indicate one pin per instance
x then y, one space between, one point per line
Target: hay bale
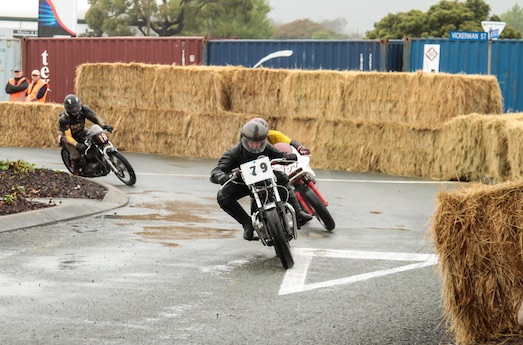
29 124
162 87
420 100
478 234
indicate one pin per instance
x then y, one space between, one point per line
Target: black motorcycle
100 157
273 218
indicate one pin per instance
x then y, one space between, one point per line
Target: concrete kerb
65 209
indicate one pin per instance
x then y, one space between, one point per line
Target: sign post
494 29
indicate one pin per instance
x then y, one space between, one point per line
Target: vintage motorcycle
100 157
273 218
302 178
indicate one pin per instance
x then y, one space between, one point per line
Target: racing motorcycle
273 218
302 178
100 157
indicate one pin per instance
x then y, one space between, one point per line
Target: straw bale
478 234
473 147
257 91
29 124
420 100
163 87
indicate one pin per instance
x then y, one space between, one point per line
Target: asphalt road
172 268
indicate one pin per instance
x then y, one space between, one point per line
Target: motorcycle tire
319 209
281 245
125 171
66 158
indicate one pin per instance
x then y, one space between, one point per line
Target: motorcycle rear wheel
125 171
281 245
319 209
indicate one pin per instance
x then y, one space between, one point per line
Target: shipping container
361 55
472 57
10 58
58 58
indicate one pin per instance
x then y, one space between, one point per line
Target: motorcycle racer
275 137
253 143
72 128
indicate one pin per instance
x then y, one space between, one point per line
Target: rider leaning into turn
253 143
72 127
275 137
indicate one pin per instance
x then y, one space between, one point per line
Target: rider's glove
108 128
223 178
81 147
291 156
303 150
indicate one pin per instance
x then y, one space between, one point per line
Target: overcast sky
360 14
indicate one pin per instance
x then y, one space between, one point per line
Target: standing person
253 143
72 127
37 89
16 86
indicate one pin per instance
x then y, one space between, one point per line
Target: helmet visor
254 146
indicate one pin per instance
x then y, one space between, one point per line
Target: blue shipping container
364 55
471 57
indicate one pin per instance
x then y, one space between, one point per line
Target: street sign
468 36
494 28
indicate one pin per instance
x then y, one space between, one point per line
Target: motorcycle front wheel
124 171
319 209
66 158
281 245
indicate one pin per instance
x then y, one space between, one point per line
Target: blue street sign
469 35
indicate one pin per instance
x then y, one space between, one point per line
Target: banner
57 18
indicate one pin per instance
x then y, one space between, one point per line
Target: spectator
37 90
16 86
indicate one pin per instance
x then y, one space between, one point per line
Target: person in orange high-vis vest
16 86
37 90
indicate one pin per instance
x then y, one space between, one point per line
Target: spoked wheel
319 209
124 171
281 245
66 158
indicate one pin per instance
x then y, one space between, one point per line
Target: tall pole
489 54
148 17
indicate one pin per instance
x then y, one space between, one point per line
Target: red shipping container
58 58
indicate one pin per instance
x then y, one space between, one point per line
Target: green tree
216 18
438 21
514 18
305 29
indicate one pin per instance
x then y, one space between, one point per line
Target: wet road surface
172 268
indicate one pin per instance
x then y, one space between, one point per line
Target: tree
438 21
216 18
514 18
305 29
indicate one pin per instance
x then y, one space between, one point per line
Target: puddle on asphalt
172 211
184 233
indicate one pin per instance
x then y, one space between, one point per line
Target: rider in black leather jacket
72 127
253 143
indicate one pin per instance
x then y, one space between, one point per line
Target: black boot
248 231
75 165
302 217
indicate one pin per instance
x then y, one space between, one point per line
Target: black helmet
72 104
254 137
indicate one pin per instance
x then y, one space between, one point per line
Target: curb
66 209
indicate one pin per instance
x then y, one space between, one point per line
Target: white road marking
294 279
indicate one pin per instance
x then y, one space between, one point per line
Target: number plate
257 170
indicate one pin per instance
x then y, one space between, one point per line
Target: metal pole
149 18
489 60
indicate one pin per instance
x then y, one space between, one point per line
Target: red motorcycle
302 178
